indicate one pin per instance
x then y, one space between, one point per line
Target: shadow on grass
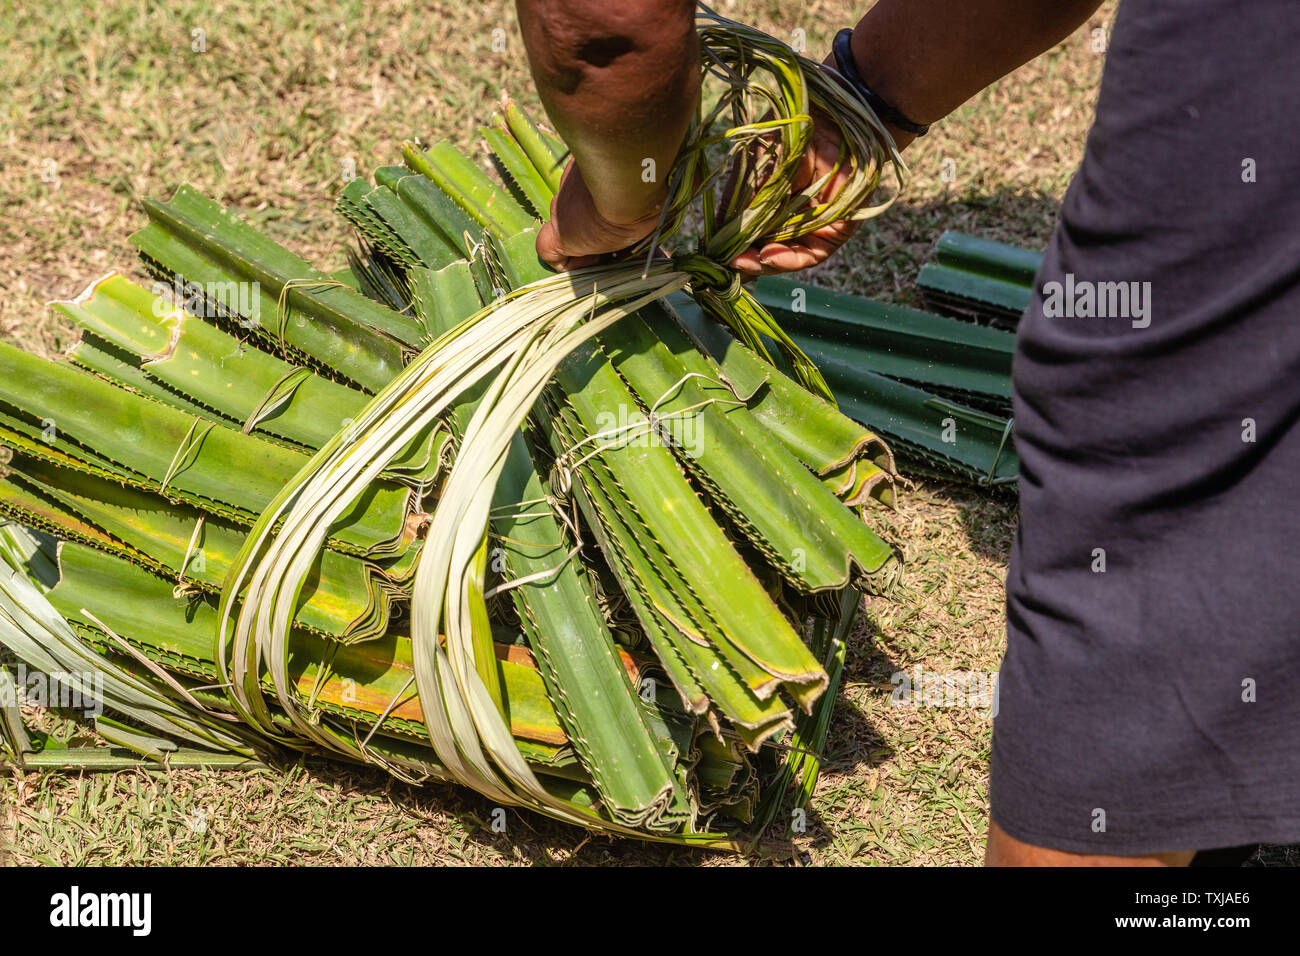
529 838
988 516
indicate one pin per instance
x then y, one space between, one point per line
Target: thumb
550 250
548 244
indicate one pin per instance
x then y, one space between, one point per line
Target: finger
771 249
825 146
808 251
548 244
806 171
836 182
819 247
747 263
792 259
838 232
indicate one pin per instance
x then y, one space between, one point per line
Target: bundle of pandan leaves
452 514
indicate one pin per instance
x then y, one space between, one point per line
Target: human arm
926 58
620 81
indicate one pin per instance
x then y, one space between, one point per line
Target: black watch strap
848 69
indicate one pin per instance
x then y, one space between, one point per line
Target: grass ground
116 102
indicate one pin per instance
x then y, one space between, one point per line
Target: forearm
619 80
927 57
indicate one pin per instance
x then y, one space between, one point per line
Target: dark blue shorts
1150 693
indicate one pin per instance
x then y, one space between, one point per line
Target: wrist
851 60
902 138
618 198
620 213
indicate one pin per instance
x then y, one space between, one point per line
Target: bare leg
1003 849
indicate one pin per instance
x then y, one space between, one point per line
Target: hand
577 234
808 250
